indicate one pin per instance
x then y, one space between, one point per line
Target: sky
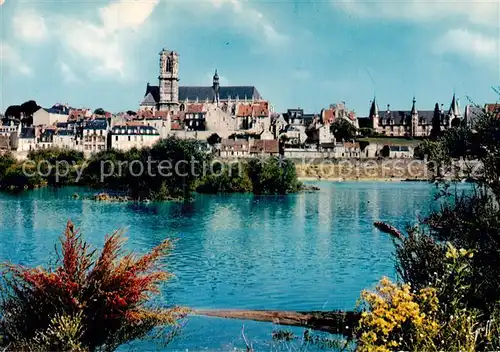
306 53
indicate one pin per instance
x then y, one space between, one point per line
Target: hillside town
232 121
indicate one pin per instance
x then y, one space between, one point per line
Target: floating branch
335 322
391 230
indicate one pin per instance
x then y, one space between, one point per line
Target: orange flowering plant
87 302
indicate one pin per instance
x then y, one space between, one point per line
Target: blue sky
305 54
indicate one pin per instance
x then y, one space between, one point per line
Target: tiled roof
265 146
134 129
176 126
194 108
235 145
149 100
161 114
351 145
261 109
203 93
96 125
401 117
145 114
244 111
328 115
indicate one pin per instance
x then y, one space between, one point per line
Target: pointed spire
454 109
414 107
374 108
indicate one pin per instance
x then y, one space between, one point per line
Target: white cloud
106 46
11 58
67 73
486 13
481 45
30 26
475 45
240 15
127 14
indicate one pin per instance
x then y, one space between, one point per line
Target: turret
374 116
414 118
216 87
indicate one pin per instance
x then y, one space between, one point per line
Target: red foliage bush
109 292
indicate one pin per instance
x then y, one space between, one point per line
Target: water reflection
305 251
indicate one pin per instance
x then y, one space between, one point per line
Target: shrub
273 176
86 301
432 318
228 178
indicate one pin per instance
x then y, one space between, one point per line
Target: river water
310 251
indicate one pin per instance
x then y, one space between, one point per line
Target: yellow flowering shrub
396 316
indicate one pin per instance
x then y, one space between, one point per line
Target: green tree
343 129
436 122
100 111
214 139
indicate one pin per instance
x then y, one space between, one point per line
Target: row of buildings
243 120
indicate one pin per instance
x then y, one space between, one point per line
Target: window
116 138
129 138
169 65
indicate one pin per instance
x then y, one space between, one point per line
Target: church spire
374 108
454 109
216 86
414 107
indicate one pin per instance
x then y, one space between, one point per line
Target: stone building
204 108
95 134
412 123
133 135
45 117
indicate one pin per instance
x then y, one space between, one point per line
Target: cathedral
204 107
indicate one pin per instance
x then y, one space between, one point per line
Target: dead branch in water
389 229
335 322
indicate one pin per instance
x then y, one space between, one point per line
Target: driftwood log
389 229
335 322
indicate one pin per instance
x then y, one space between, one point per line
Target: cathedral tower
169 81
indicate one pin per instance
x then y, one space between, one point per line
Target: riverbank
340 179
370 170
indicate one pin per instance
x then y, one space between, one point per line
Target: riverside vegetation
86 302
121 171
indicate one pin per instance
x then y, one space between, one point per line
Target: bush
433 318
86 302
273 176
227 178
